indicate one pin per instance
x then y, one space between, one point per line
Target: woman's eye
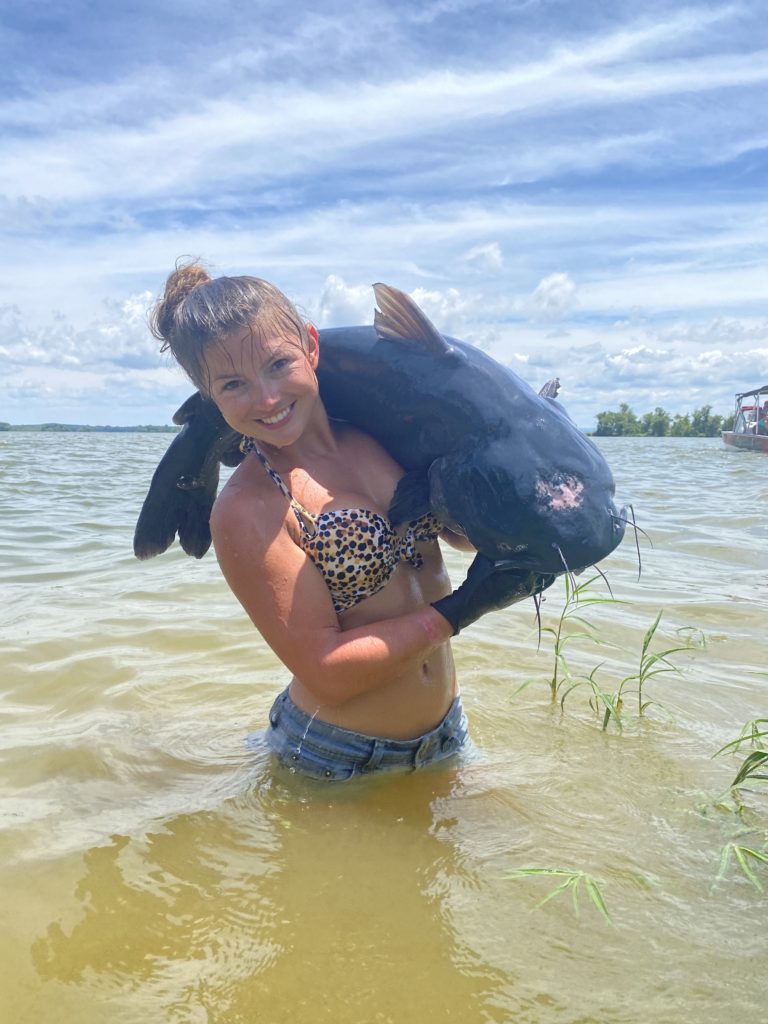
231 385
281 364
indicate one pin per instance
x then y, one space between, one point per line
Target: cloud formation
584 195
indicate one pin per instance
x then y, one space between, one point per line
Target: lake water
153 869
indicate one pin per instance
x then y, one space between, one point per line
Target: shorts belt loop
424 750
373 762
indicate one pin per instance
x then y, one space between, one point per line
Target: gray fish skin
185 483
491 458
487 455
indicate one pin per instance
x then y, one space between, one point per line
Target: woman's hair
196 311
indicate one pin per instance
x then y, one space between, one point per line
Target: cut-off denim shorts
323 751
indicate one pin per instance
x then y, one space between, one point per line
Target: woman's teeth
278 417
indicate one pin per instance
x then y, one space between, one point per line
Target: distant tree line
659 423
69 428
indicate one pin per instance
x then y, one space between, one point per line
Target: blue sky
578 187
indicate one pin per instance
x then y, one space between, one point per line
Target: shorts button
328 773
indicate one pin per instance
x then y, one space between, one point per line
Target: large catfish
482 451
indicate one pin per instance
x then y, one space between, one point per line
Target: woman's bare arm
457 540
289 603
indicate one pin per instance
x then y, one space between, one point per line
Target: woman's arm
457 540
288 602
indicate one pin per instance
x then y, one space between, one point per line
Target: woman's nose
265 394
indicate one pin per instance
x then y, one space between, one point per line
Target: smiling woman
361 613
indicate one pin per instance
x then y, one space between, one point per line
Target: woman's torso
360 475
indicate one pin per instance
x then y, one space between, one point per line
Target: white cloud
554 297
343 304
461 166
486 257
120 337
264 131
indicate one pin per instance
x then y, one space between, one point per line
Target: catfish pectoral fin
411 498
233 455
157 524
188 409
194 527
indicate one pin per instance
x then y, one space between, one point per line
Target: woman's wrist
436 627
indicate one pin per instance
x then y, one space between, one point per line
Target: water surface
155 869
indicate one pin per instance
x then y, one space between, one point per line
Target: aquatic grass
610 703
754 732
577 598
573 880
652 663
747 859
572 625
754 767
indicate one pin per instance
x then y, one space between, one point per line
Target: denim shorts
323 751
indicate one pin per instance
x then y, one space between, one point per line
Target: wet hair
197 310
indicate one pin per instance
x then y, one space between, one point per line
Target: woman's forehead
249 346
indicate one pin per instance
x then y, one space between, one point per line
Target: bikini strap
305 519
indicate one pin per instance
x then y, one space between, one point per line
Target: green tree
704 424
656 423
681 425
617 424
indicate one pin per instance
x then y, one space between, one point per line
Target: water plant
573 880
577 598
572 624
753 770
746 857
651 664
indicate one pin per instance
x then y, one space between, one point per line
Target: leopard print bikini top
355 549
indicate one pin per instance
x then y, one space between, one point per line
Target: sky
579 188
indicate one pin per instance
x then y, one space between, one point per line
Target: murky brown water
155 870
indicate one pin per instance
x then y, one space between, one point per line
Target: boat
750 421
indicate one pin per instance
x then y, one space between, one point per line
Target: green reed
748 849
573 625
573 881
650 664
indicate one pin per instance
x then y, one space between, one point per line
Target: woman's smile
278 418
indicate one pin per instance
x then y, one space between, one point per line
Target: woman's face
264 388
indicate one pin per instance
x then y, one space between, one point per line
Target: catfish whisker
569 574
637 542
537 603
605 579
631 522
637 529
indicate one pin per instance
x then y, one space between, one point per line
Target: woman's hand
489 586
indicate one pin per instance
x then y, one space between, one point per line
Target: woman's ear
313 351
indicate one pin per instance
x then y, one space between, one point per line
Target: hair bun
183 280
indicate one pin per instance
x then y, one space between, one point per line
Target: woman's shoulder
246 506
359 445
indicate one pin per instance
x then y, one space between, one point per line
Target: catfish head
516 505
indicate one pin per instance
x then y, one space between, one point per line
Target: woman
359 613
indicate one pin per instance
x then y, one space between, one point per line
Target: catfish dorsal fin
551 389
400 319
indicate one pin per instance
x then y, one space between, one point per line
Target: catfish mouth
559 545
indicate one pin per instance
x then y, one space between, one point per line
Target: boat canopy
751 394
751 418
